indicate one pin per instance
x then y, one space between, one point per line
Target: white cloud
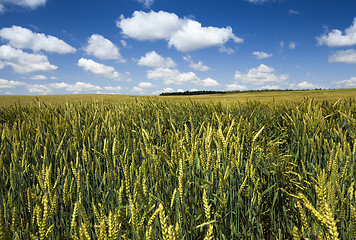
173 76
306 85
145 85
102 48
209 82
153 59
348 56
99 69
168 89
38 77
350 83
192 36
111 88
260 75
4 84
183 34
23 62
226 50
337 38
77 87
39 89
261 55
137 90
199 66
150 26
146 3
292 45
158 92
26 39
232 87
23 3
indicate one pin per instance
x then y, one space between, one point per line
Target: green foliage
156 169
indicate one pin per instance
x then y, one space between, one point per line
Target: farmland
277 96
197 168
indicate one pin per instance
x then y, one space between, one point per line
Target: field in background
278 96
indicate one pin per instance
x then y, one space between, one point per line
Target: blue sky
151 46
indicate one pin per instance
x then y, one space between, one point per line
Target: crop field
267 96
157 168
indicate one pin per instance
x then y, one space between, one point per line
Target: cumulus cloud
102 48
137 90
232 87
261 55
209 82
168 89
183 34
112 88
271 87
153 59
39 89
259 76
348 56
173 76
23 3
306 85
199 66
145 85
23 62
192 36
38 77
99 69
4 84
26 39
349 83
150 26
337 38
77 87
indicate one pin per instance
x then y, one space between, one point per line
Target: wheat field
162 169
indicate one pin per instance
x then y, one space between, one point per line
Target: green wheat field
242 166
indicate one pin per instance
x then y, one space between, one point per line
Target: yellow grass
277 96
